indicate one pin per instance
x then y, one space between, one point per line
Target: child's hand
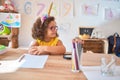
38 50
33 50
41 49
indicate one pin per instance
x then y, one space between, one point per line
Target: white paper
34 61
9 66
93 73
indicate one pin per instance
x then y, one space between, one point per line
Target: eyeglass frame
53 28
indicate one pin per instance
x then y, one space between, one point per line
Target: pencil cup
76 54
75 63
108 69
76 60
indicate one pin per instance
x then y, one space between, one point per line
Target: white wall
68 26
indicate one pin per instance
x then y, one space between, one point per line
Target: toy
4 30
45 16
9 6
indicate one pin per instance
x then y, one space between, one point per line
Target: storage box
94 45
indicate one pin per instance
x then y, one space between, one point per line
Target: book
32 61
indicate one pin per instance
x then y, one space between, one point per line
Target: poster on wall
112 13
10 19
90 9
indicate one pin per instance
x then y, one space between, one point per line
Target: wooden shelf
8 11
13 38
4 36
94 45
4 41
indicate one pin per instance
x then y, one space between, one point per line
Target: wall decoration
49 7
41 8
28 7
55 9
10 19
112 13
89 9
67 8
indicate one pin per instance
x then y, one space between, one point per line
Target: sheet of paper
34 61
9 66
93 73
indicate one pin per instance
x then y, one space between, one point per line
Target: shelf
8 11
4 36
13 37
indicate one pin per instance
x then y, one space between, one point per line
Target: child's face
51 30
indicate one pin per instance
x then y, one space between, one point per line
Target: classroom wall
70 15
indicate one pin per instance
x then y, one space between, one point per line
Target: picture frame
85 32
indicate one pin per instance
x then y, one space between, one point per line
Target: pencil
21 58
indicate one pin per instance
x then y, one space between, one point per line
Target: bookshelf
12 37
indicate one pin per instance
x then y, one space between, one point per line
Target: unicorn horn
50 8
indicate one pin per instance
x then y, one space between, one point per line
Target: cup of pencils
76 54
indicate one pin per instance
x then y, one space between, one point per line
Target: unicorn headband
44 17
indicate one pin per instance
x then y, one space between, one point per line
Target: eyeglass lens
53 28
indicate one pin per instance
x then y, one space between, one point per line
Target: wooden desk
56 68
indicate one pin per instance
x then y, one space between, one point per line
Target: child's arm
37 50
59 49
33 48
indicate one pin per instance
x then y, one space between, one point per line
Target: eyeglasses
53 28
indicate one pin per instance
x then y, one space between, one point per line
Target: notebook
33 61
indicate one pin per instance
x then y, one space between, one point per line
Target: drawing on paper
112 13
90 9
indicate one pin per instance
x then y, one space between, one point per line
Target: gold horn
50 8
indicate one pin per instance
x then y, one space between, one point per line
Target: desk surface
55 68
